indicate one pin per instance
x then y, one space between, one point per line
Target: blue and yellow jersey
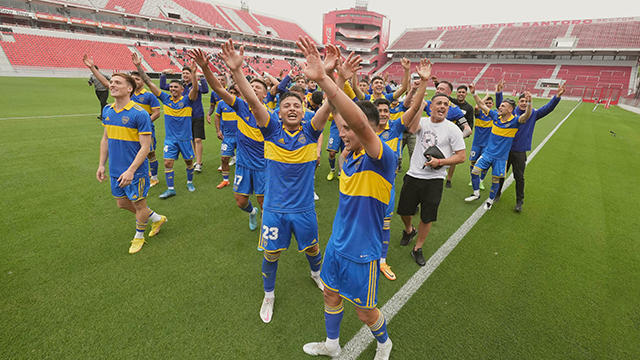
365 193
309 104
148 102
291 163
483 124
214 99
177 117
271 101
396 112
228 119
392 135
124 128
368 97
249 138
501 138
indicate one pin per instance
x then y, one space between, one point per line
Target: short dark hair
510 102
521 96
297 88
290 94
438 95
134 73
490 98
179 82
257 79
298 78
128 79
317 97
370 111
377 78
448 83
463 87
186 68
382 101
364 81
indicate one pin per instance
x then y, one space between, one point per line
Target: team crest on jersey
281 141
385 136
125 120
302 139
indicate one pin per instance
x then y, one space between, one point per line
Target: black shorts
197 127
427 193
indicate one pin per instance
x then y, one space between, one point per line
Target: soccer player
177 123
522 142
423 182
250 175
484 123
125 143
350 266
496 153
378 86
226 121
197 112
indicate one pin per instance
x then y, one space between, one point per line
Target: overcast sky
412 14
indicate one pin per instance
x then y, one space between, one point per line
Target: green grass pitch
558 281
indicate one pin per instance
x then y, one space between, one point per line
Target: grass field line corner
363 338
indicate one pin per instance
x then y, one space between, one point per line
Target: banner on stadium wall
84 22
533 23
384 34
13 12
112 25
52 17
327 35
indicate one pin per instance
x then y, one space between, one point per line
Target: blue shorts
228 146
247 181
173 148
498 167
335 142
278 227
356 282
136 191
476 151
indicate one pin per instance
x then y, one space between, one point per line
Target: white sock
383 260
154 178
384 344
171 188
189 182
490 200
139 235
155 217
269 294
476 192
332 344
315 273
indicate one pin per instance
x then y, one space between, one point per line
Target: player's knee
198 141
225 160
242 201
476 170
152 155
189 163
168 164
271 256
495 179
332 154
368 316
331 297
313 251
124 203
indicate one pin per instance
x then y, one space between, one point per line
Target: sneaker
191 187
448 184
473 197
167 194
253 220
155 227
315 196
232 161
319 348
481 185
383 351
518 207
223 184
136 245
406 238
198 168
488 204
153 183
331 175
318 282
385 269
220 168
266 311
418 257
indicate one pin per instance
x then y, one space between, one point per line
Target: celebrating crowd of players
276 134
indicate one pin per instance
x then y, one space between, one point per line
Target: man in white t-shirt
424 181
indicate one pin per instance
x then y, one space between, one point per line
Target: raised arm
409 117
499 87
91 65
406 64
274 83
195 89
147 80
524 117
203 61
551 105
234 61
351 113
479 103
356 88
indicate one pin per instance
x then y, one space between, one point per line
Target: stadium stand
157 58
467 38
206 12
413 39
529 37
609 35
283 29
125 6
358 34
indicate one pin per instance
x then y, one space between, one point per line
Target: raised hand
232 58
500 86
193 66
406 64
527 95
472 88
424 70
332 59
88 61
350 66
561 90
315 68
136 59
199 57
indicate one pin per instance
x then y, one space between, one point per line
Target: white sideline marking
44 117
363 338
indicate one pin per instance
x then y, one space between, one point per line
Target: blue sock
168 173
332 164
386 237
190 172
483 174
332 319
315 260
494 189
153 165
475 180
249 208
269 269
379 329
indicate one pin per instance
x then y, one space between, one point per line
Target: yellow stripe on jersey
230 116
305 154
393 143
122 133
504 132
146 107
250 132
184 112
483 123
366 183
